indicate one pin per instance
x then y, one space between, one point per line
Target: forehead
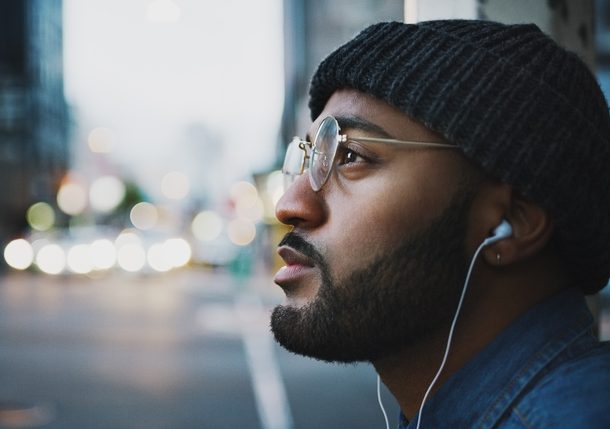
353 103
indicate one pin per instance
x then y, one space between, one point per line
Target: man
443 131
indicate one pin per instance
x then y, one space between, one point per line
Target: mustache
298 243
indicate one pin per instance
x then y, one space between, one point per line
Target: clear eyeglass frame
320 155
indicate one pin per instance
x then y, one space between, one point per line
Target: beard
395 301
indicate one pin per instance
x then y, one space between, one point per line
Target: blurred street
188 349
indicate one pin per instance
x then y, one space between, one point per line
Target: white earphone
500 232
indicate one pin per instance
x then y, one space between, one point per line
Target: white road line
269 391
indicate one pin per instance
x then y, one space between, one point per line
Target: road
187 349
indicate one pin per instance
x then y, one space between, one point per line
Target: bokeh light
51 259
244 193
72 198
106 193
175 185
80 259
41 216
207 226
103 254
248 204
131 257
144 216
127 236
179 251
157 258
19 254
100 140
275 186
250 208
241 231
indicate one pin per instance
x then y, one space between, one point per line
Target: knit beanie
525 110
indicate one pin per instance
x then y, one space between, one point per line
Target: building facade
34 120
312 29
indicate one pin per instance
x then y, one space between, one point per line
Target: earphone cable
385 416
451 330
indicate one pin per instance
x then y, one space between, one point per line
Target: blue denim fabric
546 370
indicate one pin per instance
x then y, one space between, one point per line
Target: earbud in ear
501 231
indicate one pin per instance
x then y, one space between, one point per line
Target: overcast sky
171 92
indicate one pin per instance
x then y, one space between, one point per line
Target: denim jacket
546 370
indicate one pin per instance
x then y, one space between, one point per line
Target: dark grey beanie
527 111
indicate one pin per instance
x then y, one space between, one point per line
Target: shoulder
575 393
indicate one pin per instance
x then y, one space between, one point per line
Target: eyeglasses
322 152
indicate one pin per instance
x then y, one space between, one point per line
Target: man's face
376 258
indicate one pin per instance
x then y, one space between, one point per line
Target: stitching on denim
522 419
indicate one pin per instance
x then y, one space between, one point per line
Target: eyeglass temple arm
399 142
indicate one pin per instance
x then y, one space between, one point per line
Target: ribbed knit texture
527 111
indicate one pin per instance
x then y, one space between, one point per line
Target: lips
292 257
297 266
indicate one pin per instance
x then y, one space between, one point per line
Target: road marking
269 390
248 318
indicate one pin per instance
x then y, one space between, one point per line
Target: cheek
364 229
376 216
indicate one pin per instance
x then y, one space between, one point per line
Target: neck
408 373
407 376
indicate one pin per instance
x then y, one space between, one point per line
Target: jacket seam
522 419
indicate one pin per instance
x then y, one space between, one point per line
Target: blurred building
312 29
33 110
602 33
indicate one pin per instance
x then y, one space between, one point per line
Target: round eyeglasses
322 152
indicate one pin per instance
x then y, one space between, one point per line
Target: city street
189 349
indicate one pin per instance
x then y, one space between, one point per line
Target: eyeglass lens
323 154
293 162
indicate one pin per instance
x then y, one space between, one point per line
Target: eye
345 156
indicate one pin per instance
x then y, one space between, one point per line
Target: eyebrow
358 123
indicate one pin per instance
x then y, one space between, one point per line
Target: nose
300 206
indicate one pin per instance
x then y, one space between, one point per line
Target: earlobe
532 229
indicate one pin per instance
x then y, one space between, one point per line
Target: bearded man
454 213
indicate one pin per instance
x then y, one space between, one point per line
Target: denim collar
480 393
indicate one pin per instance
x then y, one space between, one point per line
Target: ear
532 230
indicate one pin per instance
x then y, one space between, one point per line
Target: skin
356 216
